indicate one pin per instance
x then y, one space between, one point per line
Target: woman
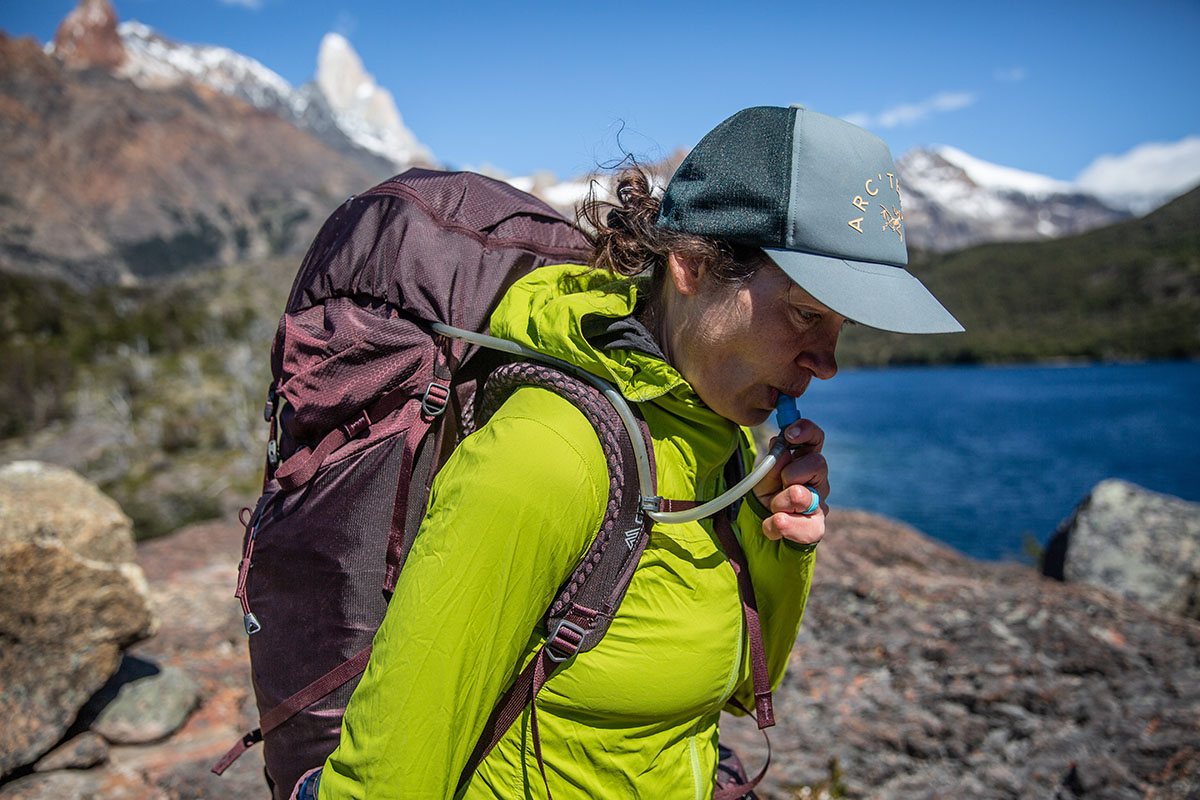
702 309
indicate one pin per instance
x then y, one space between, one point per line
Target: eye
805 317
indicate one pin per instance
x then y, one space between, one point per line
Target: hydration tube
786 413
785 409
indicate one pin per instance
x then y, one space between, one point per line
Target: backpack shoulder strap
581 613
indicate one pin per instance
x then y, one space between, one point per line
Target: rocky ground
920 673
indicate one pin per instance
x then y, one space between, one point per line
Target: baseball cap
821 197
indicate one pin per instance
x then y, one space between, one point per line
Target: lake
983 458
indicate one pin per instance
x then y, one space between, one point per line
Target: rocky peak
365 111
88 37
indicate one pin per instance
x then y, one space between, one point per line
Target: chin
756 416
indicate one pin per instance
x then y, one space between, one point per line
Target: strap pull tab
269 406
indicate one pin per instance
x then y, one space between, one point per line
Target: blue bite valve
785 411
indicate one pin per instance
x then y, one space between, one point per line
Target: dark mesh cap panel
735 182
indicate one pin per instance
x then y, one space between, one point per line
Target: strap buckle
564 641
435 399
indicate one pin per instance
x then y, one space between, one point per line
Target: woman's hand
785 490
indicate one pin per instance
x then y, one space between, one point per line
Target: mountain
952 200
128 154
106 182
362 109
342 105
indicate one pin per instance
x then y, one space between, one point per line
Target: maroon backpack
367 401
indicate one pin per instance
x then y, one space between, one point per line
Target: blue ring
816 503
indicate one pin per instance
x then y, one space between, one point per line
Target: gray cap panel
845 198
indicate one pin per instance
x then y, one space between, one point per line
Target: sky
564 86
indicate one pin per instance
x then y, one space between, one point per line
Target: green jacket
511 513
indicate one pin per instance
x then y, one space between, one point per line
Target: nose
818 354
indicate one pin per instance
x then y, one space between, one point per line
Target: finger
796 528
809 470
772 482
795 499
806 435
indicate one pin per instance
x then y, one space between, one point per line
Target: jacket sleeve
511 513
782 575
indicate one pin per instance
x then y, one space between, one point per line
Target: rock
1141 544
87 37
63 785
143 703
920 673
64 615
41 501
80 752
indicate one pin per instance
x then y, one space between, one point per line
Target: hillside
1127 291
155 392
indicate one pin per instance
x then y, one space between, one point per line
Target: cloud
1011 74
253 5
912 113
1146 176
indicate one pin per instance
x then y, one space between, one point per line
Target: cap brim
877 295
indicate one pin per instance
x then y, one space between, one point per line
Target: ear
686 272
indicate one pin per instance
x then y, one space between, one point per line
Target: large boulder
71 599
1138 543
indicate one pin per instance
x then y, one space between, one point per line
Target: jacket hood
550 310
553 308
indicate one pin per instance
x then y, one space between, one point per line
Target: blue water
984 457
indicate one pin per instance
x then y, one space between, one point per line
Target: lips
790 392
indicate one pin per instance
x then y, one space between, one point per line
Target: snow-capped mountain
155 62
343 105
364 111
953 200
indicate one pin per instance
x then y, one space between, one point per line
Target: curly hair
626 241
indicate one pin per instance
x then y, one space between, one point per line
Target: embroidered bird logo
892 220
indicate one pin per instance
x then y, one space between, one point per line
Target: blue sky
561 86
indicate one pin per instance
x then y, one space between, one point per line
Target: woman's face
740 347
